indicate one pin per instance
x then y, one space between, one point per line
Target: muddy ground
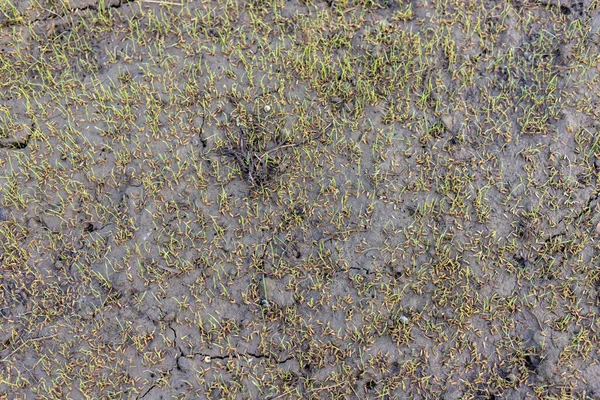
299 199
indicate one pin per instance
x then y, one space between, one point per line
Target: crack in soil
52 15
14 144
238 355
147 391
366 271
215 357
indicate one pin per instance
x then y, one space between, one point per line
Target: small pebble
404 320
264 303
448 121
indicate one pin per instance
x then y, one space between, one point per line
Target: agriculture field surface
360 199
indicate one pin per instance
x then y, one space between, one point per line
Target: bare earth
360 199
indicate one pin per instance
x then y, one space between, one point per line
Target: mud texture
299 199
